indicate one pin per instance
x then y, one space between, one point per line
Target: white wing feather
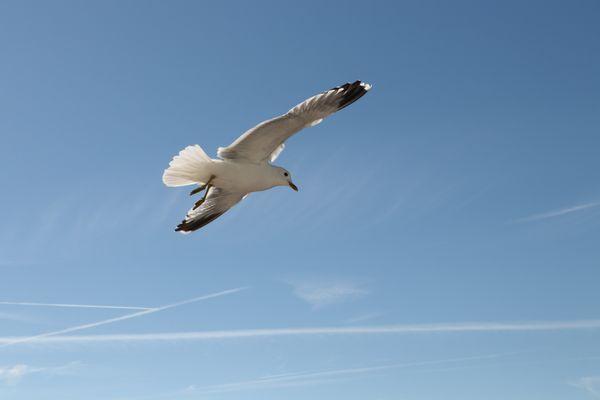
276 152
264 141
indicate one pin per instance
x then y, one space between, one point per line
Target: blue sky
444 242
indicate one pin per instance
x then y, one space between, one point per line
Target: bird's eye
286 174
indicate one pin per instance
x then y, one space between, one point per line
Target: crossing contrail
47 335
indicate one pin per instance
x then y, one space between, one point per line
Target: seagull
245 166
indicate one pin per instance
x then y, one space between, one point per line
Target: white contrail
311 377
48 335
299 377
359 330
14 303
557 213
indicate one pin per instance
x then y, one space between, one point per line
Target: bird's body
245 166
246 177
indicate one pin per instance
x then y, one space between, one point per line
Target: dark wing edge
191 225
217 203
351 92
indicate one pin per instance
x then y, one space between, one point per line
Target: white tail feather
191 166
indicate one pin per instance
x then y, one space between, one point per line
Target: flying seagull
245 166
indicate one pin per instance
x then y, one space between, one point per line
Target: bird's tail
190 166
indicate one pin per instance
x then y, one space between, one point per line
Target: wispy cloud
66 219
363 317
320 295
557 213
591 384
473 327
11 303
316 376
13 374
320 376
14 317
47 335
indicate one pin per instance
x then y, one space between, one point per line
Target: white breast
243 176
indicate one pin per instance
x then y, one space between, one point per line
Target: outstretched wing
265 141
217 202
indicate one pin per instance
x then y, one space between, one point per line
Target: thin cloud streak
15 317
47 335
475 327
12 374
305 378
557 213
13 303
363 317
316 376
321 295
591 384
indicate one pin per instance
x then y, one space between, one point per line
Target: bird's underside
257 147
211 206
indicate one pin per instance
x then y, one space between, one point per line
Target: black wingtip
192 225
352 92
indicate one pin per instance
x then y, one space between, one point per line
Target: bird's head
284 178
